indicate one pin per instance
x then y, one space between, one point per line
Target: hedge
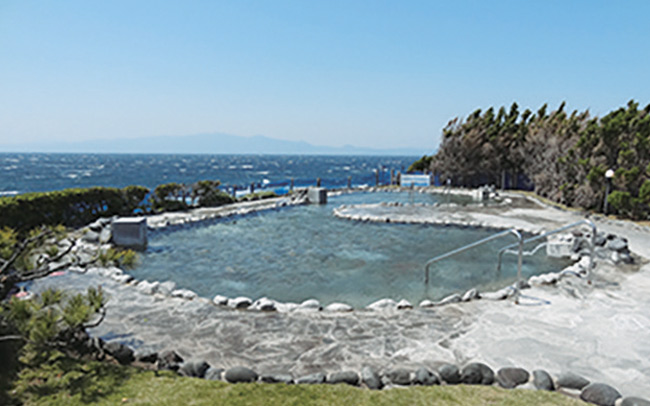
69 207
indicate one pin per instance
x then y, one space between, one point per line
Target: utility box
317 195
560 246
130 232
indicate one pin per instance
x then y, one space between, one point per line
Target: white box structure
414 180
560 246
317 195
130 232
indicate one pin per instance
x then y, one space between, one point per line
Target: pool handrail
475 244
592 243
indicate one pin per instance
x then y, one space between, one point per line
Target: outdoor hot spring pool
298 253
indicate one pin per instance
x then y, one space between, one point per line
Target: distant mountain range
206 144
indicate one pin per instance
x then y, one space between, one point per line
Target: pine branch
12 338
20 248
99 321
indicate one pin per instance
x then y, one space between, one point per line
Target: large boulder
511 377
425 377
477 373
239 302
277 378
318 377
214 374
370 378
399 376
449 373
634 401
571 381
347 377
169 360
194 369
382 304
122 353
240 375
600 394
146 355
542 380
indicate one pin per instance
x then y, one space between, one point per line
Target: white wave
232 167
262 172
9 193
247 166
266 182
72 176
10 167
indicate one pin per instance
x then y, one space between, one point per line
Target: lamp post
608 175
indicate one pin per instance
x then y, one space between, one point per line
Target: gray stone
470 295
617 244
123 278
166 288
347 377
600 239
194 369
169 360
91 237
277 378
122 353
542 380
220 300
146 287
382 304
240 302
264 304
510 377
449 373
371 378
455 298
105 236
404 305
184 294
634 401
571 381
477 373
600 394
310 304
399 376
240 374
338 307
147 356
214 374
318 377
500 294
427 303
425 377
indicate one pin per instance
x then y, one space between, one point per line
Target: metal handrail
592 243
527 253
476 244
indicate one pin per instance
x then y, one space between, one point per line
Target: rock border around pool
608 247
473 373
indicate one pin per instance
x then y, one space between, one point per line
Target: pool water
297 253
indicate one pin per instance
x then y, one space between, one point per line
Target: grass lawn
71 382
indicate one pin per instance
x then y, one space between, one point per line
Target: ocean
38 172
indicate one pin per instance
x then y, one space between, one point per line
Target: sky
381 74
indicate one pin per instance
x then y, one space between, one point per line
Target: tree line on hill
565 156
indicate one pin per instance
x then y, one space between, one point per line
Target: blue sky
368 73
